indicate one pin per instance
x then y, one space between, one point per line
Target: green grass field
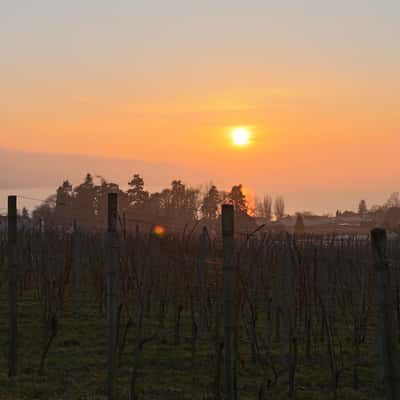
76 369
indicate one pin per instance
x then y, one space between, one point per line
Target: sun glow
240 136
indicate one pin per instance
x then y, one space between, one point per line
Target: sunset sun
240 136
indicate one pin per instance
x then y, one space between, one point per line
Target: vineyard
148 314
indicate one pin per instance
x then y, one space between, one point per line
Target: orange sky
322 101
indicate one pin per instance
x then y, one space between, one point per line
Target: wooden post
274 329
112 270
386 340
76 250
252 266
140 282
288 299
124 224
12 284
229 301
288 338
202 292
253 273
42 265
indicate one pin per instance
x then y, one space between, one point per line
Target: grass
75 367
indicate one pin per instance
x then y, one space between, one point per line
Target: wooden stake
229 301
202 292
112 270
386 340
12 284
76 250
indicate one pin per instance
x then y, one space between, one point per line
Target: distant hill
21 170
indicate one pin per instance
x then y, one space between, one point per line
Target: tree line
178 204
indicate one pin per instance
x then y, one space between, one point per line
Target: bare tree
393 200
264 207
279 207
267 206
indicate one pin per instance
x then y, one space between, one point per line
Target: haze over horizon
316 83
37 175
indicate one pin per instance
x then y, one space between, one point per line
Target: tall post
386 340
12 284
140 282
202 291
112 270
229 301
288 302
124 224
76 250
42 266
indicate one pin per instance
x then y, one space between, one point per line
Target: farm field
199 200
75 368
305 318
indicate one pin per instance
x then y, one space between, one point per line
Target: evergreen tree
84 205
238 199
136 194
362 207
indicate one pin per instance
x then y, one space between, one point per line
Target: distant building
309 220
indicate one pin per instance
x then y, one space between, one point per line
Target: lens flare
159 231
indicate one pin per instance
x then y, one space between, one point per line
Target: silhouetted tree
45 211
180 202
178 190
362 207
393 200
85 202
211 201
165 202
64 199
264 207
279 207
153 208
136 194
192 203
238 199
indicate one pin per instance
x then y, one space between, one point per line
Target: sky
165 82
